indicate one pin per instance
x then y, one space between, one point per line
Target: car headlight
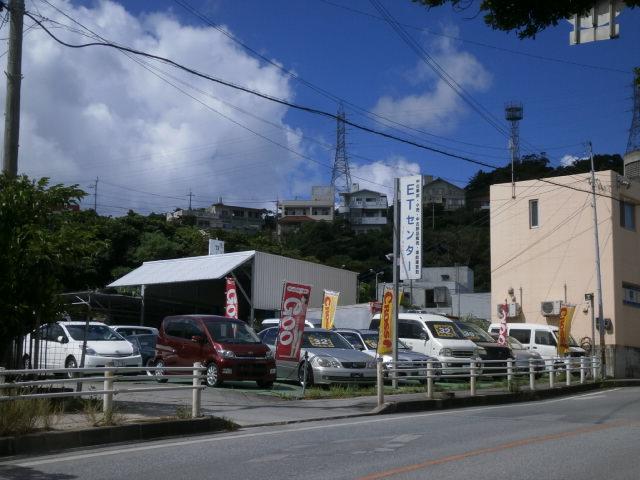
327 362
227 353
480 351
90 351
370 365
136 350
268 355
445 352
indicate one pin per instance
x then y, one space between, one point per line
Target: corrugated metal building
197 284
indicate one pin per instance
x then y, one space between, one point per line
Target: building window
534 220
627 215
631 294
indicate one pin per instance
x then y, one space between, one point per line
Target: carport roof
190 269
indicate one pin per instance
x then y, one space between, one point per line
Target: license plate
119 363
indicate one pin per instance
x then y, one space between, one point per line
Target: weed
183 412
18 417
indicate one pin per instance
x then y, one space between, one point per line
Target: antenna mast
340 174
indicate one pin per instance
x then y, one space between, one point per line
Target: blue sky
354 56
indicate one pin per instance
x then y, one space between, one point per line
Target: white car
539 338
60 346
127 330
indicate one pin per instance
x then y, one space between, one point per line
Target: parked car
60 346
489 349
229 349
367 341
274 322
522 357
127 330
540 338
436 336
146 344
332 359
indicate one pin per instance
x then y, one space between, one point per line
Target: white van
274 322
433 335
540 338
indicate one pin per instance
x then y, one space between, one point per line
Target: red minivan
229 349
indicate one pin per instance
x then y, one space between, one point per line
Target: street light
376 274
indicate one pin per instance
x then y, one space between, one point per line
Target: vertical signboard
231 307
564 328
502 337
216 247
329 305
295 298
411 227
385 334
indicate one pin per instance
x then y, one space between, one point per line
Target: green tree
526 17
41 243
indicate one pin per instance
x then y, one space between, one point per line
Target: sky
151 134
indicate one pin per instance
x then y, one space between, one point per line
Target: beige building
293 213
542 250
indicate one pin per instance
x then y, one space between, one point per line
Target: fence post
380 376
568 369
532 375
107 398
1 376
594 368
552 374
472 378
509 373
583 367
196 393
430 379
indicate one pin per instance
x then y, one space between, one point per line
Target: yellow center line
497 448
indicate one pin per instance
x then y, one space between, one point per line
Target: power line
258 94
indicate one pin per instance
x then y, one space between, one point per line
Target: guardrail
108 378
588 368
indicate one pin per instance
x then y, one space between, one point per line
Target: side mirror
62 339
197 339
423 336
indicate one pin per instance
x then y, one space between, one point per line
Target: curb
47 442
481 400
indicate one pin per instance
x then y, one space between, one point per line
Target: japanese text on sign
411 227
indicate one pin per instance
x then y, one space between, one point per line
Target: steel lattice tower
632 155
513 114
340 174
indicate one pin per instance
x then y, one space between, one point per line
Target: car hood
457 344
115 347
409 356
341 354
525 354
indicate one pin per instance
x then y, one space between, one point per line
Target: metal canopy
208 267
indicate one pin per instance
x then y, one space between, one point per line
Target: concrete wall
555 261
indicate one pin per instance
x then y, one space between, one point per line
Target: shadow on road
23 473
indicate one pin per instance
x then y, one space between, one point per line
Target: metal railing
22 386
586 368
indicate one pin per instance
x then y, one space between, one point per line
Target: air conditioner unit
513 309
550 309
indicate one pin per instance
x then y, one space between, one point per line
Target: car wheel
212 376
309 375
71 363
160 372
150 373
265 383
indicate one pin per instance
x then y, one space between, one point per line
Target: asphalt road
587 436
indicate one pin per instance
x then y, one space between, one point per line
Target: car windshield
146 341
445 330
231 332
515 344
95 333
572 341
371 340
474 333
322 339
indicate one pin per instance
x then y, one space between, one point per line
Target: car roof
539 326
427 317
81 323
133 326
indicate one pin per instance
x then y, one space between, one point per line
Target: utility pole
396 274
597 251
191 195
95 196
14 77
433 216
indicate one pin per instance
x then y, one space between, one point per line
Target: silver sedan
331 359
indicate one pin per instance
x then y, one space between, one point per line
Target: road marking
496 449
226 438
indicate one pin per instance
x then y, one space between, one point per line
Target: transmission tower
632 155
340 174
513 114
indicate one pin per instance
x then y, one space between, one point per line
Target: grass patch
19 417
183 412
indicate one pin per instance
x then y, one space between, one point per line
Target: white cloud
568 160
94 112
436 106
378 176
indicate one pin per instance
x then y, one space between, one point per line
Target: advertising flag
502 337
411 227
564 330
329 305
231 307
385 335
295 298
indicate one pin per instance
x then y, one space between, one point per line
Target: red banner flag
502 337
231 308
295 298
